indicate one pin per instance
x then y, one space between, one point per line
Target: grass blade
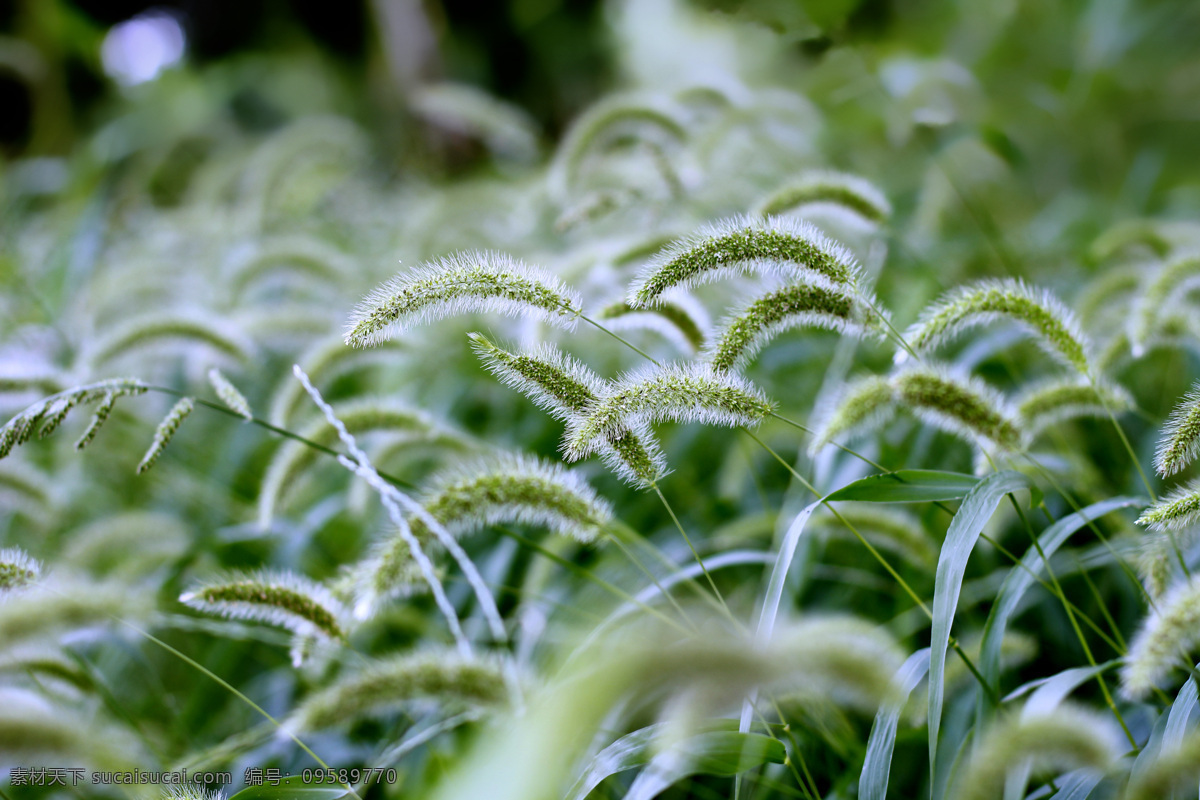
908 486
877 765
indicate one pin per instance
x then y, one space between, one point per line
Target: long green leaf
1024 574
977 508
292 788
877 765
1180 715
723 753
908 486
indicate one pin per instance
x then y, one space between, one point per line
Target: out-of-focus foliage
748 254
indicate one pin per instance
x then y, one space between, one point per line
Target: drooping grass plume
45 611
229 394
1170 283
1179 443
776 245
885 528
851 191
295 252
1063 739
680 320
1055 401
165 430
1178 509
863 405
566 388
46 415
1144 233
1155 562
383 685
153 328
648 117
32 729
1036 310
508 488
1113 287
17 569
458 284
505 129
1167 635
964 406
359 416
324 361
287 600
687 392
814 303
129 543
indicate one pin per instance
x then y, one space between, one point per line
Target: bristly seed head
17 569
1036 310
814 303
1180 441
865 404
1056 401
166 429
963 406
1177 510
566 388
1170 632
45 416
229 394
680 392
851 191
459 284
776 245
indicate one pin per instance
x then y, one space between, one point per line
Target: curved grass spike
1034 309
776 245
566 388
1056 401
45 415
359 416
308 253
1179 509
289 601
1063 739
17 569
851 191
324 361
963 406
886 528
154 328
815 304
683 322
229 394
1114 285
1180 441
590 129
1146 233
165 430
864 404
459 284
1172 281
509 488
504 128
44 613
1169 632
385 684
679 392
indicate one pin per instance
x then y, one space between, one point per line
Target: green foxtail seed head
1180 441
1063 739
1168 634
960 405
154 328
1114 288
192 791
460 284
1178 509
505 129
864 404
814 303
1155 562
566 388
776 245
17 569
43 613
385 684
1034 309
296 253
165 430
290 601
680 320
506 489
1058 400
885 528
650 117
850 191
678 392
1143 233
1166 288
46 415
229 394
